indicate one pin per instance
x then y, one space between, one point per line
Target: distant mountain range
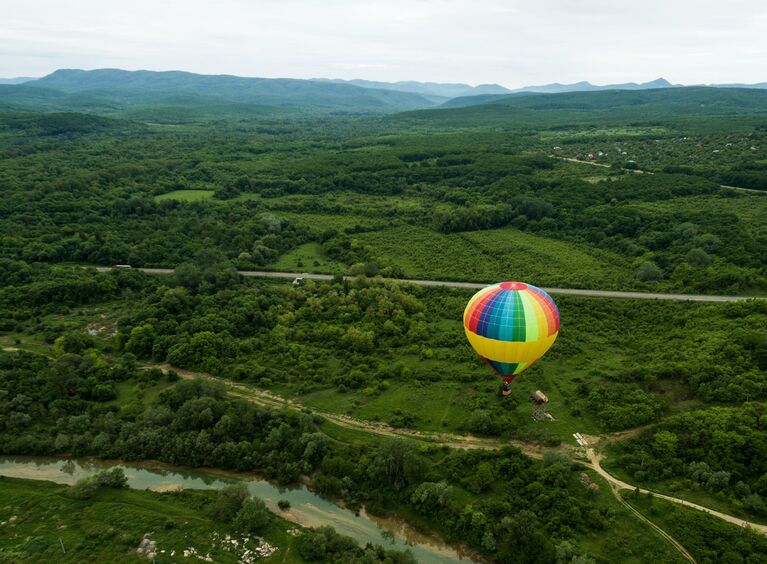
583 86
137 87
566 109
115 91
430 89
435 89
16 80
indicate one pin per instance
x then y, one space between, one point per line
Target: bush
283 504
84 488
649 272
253 516
229 501
113 478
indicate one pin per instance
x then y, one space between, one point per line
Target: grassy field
319 222
486 255
39 522
307 257
450 406
186 195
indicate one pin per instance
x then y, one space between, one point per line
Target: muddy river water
306 508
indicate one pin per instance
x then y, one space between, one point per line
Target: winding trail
617 485
682 550
275 401
478 285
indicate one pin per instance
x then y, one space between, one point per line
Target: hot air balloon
511 325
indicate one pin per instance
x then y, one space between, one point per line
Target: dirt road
275 401
617 484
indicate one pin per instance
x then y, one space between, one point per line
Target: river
306 508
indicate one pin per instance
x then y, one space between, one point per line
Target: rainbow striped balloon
511 325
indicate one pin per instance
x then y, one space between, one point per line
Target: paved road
477 285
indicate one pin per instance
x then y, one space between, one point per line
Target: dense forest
86 189
629 191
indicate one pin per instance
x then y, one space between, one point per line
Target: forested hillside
649 191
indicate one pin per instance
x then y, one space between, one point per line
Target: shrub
84 488
253 516
229 501
113 478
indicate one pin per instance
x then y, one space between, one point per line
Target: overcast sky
511 42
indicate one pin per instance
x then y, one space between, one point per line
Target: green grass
308 257
449 406
38 517
496 254
540 258
186 195
751 209
23 342
130 392
319 222
438 407
626 538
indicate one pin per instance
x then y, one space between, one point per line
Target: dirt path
682 550
617 484
274 401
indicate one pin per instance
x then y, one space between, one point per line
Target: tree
665 443
481 478
74 343
429 496
112 478
229 501
697 257
649 272
141 340
253 516
84 488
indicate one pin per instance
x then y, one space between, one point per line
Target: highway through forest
477 285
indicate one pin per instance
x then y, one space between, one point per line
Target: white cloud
512 42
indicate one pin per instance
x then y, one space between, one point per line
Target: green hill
618 106
182 88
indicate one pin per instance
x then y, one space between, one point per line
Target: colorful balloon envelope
511 325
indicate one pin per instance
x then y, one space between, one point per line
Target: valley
356 381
